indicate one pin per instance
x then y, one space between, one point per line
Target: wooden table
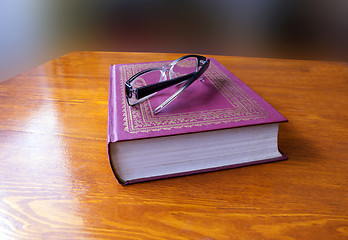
56 181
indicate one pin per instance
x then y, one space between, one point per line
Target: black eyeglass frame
147 90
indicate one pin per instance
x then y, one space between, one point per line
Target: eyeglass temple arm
153 88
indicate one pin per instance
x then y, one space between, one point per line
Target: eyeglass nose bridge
166 68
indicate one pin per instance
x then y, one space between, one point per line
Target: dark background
35 31
262 28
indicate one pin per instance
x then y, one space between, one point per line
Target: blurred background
35 31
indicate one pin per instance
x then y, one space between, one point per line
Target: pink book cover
219 101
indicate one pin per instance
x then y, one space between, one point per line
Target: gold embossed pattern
241 106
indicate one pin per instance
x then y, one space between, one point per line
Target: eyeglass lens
176 69
184 67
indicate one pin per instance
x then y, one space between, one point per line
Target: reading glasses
180 74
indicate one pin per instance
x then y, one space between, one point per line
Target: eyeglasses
181 72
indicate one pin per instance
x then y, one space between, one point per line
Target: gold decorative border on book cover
141 118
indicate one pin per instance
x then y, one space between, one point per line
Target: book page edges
276 157
214 169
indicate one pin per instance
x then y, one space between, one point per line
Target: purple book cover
219 101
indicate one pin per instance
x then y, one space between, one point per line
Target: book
217 123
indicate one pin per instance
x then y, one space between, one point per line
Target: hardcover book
217 123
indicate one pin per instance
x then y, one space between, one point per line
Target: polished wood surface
56 181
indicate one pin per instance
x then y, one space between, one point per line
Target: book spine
112 118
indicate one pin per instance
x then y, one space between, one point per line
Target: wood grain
56 182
